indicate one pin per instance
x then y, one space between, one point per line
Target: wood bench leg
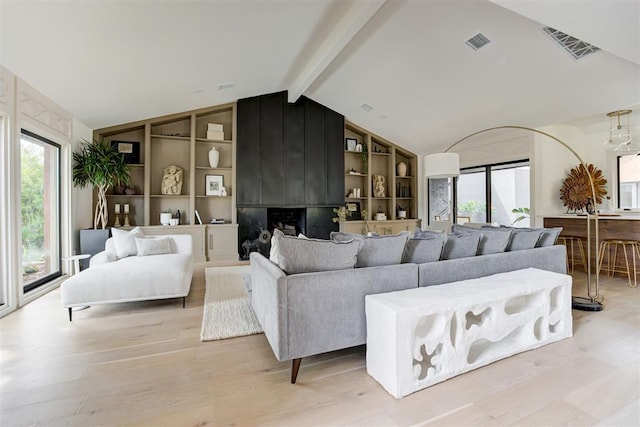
295 366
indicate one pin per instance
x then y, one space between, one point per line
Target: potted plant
99 164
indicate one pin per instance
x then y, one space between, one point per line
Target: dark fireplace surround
290 170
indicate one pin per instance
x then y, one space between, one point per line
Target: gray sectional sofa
304 313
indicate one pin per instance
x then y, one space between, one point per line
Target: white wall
81 198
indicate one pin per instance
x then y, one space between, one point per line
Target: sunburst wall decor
576 188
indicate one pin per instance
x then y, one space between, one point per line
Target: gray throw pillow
494 240
549 237
461 245
310 255
376 250
421 234
424 249
524 238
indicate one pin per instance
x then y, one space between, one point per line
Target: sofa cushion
549 237
420 233
461 245
153 246
524 238
494 240
124 241
376 250
424 249
310 255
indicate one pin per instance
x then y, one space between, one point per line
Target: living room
399 72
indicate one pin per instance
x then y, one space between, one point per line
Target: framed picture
351 144
353 211
213 185
130 150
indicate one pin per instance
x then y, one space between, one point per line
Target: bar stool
569 242
630 249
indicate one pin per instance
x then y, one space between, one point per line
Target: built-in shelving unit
381 158
180 140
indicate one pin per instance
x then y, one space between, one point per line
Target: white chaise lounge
162 269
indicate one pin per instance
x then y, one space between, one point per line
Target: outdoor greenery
471 207
32 202
99 164
523 211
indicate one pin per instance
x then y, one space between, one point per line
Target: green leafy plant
471 207
99 164
523 211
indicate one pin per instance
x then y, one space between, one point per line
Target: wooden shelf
213 141
135 165
381 154
125 195
355 174
214 169
404 177
174 138
170 196
200 196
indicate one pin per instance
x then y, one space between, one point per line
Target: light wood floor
143 364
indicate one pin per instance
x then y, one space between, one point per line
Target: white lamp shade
441 165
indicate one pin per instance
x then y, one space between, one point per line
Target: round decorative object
576 188
265 236
214 157
402 169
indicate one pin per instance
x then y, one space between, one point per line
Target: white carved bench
420 337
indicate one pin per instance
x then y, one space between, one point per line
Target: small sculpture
378 185
172 180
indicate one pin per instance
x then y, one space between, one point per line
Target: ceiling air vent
478 41
575 47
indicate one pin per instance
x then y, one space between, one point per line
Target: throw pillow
273 252
524 238
424 249
422 234
376 250
461 246
309 255
549 237
494 240
153 246
125 241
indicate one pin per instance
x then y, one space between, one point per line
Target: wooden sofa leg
70 314
184 302
295 366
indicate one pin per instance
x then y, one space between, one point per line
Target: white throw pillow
153 246
124 241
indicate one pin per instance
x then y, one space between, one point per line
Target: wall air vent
575 47
366 107
478 41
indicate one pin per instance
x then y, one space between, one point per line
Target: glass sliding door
510 194
472 196
40 209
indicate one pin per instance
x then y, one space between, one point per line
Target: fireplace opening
291 221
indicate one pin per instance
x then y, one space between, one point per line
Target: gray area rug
227 308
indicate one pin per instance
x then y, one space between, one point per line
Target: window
505 185
40 210
471 197
629 182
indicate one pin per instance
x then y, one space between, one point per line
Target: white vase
214 157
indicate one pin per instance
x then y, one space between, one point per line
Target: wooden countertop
600 216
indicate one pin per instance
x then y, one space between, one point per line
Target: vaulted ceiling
111 62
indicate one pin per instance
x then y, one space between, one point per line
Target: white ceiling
111 62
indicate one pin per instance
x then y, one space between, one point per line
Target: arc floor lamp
447 165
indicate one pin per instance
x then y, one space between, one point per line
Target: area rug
227 308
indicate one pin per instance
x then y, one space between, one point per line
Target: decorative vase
214 157
402 169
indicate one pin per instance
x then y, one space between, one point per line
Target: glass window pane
40 205
510 195
440 196
629 182
471 193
